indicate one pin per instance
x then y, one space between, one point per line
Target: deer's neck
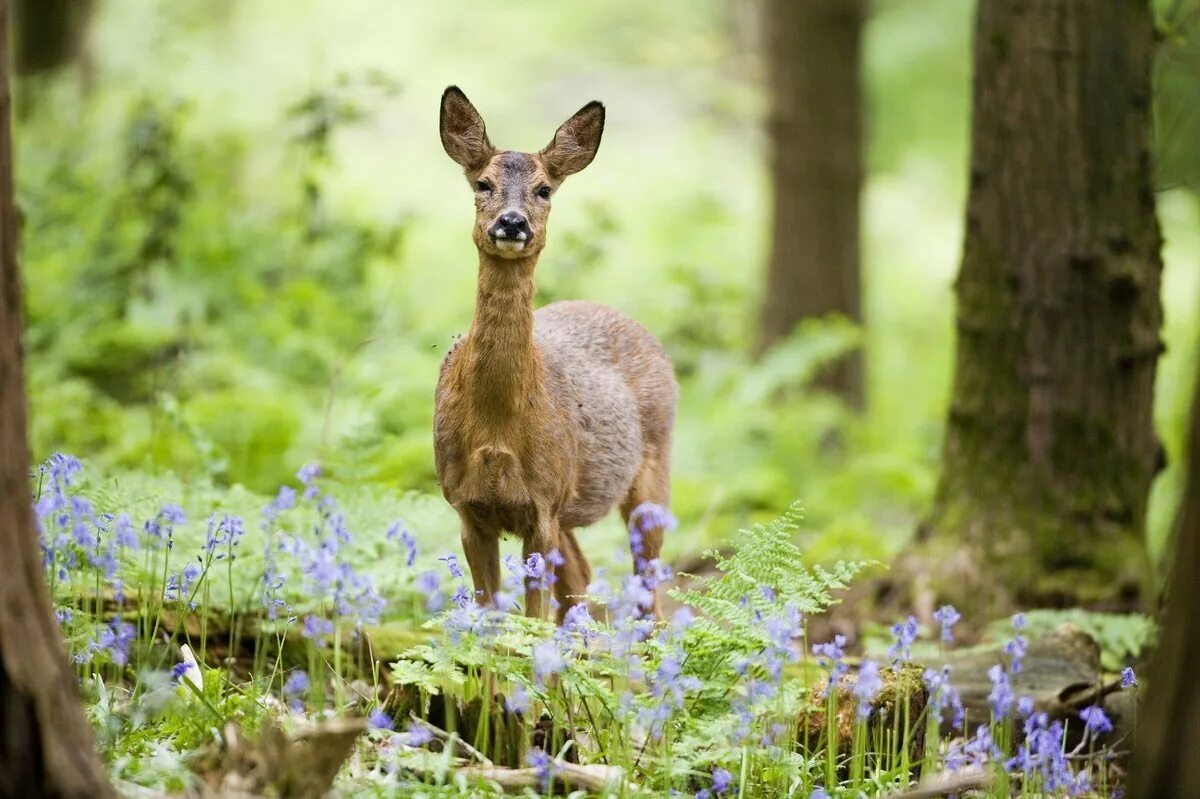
501 361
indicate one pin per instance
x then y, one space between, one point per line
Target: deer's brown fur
544 421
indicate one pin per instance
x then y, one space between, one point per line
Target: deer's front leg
483 558
543 539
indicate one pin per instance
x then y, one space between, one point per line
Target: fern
765 575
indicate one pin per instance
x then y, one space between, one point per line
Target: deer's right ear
463 133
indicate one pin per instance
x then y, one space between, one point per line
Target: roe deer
544 421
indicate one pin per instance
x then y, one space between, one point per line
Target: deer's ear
575 142
463 133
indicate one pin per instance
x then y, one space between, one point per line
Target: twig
594 778
947 784
442 735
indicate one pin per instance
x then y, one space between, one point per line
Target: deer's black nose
510 225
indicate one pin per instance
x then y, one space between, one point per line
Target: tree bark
815 125
46 747
1050 449
1165 765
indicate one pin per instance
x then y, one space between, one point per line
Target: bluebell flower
541 763
819 793
307 476
116 638
462 597
1128 678
722 781
1025 706
430 586
555 558
829 656
947 616
974 752
316 628
547 660
417 735
378 720
398 530
867 687
1001 695
943 694
123 533
296 684
536 575
518 700
683 619
1016 647
904 634
1095 720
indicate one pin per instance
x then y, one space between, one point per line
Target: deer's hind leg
652 483
573 575
482 548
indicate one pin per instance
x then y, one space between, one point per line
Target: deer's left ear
575 142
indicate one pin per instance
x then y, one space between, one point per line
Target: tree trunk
1050 449
46 747
815 125
1165 765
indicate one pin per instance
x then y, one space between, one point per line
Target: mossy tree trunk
1165 765
1050 449
46 747
815 125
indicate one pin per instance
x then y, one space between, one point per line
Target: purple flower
722 780
378 720
518 700
297 683
1016 647
398 530
536 574
429 584
947 616
547 660
1128 678
819 793
417 735
307 475
543 765
829 656
116 638
1025 706
451 561
1001 696
316 628
942 694
123 533
646 518
904 634
867 687
1095 720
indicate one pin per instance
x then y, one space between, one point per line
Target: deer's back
615 381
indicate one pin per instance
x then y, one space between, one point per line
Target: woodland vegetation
928 272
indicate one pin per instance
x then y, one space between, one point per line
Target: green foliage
765 572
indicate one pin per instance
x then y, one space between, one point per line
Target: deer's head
513 189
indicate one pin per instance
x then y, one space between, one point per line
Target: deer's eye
544 192
483 185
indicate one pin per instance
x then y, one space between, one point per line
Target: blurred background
244 248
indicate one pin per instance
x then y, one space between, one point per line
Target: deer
544 420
